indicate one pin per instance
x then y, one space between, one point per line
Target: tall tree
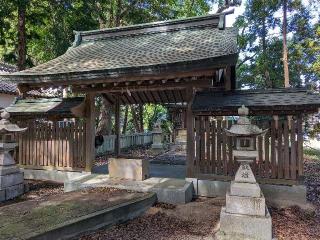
284 41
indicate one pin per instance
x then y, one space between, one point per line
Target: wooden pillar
117 126
90 131
190 135
227 78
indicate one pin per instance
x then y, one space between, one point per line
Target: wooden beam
117 126
190 134
90 131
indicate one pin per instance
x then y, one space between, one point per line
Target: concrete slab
276 195
52 175
168 190
133 169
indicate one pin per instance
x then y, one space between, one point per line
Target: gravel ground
199 220
37 190
312 180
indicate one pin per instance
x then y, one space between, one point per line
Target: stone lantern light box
11 179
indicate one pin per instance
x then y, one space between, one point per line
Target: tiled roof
44 106
138 49
5 86
280 100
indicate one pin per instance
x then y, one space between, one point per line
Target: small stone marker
11 179
245 213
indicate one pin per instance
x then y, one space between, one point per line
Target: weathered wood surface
53 145
280 154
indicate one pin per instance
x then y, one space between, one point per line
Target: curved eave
113 74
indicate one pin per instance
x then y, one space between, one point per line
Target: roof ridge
214 20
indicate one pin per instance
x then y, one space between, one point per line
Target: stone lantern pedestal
11 179
245 215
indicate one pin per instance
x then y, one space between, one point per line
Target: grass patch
312 153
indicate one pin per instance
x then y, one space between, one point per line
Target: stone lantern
245 214
157 145
11 179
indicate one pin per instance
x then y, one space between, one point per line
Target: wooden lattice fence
280 150
58 145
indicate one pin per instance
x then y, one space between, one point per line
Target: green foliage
260 44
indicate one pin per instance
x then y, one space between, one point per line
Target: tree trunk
285 49
125 120
141 117
105 124
135 119
22 5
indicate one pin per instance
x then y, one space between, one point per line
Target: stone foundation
132 169
255 227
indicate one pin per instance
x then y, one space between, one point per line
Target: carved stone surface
244 174
246 205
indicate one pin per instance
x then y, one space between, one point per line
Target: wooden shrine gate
52 145
280 150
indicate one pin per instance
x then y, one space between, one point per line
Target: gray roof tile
140 48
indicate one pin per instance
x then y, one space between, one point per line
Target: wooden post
117 126
90 131
190 135
227 78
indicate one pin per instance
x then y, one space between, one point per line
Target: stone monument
157 144
11 179
245 215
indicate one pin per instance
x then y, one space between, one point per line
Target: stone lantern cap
6 126
243 127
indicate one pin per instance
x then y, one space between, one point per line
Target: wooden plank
190 135
213 147
198 145
273 149
224 148
300 146
293 152
208 140
280 150
72 144
219 139
202 145
260 156
117 128
286 149
90 131
267 167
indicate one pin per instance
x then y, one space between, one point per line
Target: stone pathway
25 219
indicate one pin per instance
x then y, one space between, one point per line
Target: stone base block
245 205
174 191
157 146
6 170
245 189
133 169
2 195
14 191
255 227
11 179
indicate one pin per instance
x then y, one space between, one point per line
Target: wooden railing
280 150
126 141
57 145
